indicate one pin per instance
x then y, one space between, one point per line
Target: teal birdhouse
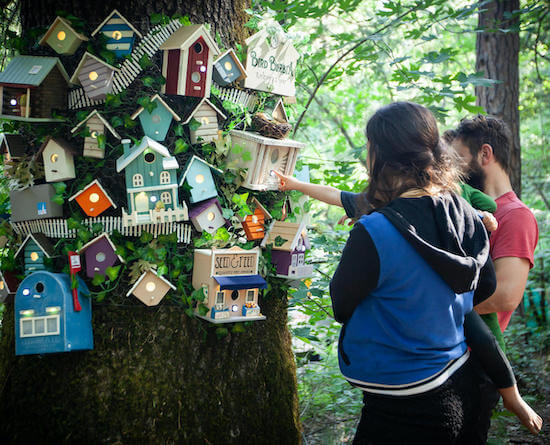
156 120
62 38
120 33
36 248
198 175
151 184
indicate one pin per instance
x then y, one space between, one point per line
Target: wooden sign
271 64
235 263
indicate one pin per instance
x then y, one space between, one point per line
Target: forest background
358 55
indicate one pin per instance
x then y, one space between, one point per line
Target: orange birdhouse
93 199
253 225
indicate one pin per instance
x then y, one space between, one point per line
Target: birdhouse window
301 258
254 219
61 35
220 297
235 295
34 256
155 118
117 35
274 156
165 177
210 216
250 296
137 180
166 198
195 77
35 69
94 197
150 286
227 65
2 285
100 257
37 326
54 158
294 260
93 76
204 120
199 179
94 134
197 47
149 157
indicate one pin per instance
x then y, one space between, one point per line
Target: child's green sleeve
477 199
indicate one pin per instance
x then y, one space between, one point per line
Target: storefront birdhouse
260 155
36 248
151 184
62 37
289 245
99 253
120 34
207 216
94 134
228 69
58 157
8 285
12 146
207 115
93 199
150 288
198 175
253 225
32 88
187 63
45 318
95 76
34 203
155 123
230 282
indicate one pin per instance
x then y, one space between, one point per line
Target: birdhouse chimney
126 144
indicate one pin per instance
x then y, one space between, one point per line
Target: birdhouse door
142 202
277 160
197 69
172 71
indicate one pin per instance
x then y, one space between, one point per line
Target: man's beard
476 175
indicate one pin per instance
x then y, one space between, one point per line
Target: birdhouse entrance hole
235 295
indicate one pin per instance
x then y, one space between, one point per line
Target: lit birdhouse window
2 285
100 257
227 65
149 157
34 256
117 35
204 120
210 216
165 177
94 134
249 296
254 219
150 286
54 158
166 198
137 180
93 76
153 198
199 179
61 35
202 69
94 197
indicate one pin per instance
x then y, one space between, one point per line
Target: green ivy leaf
101 140
145 62
279 241
148 81
59 187
112 272
116 121
98 279
194 124
238 328
247 156
221 333
146 237
162 270
58 199
178 130
72 224
180 146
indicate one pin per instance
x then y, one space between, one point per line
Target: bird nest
270 128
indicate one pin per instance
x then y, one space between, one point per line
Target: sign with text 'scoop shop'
271 64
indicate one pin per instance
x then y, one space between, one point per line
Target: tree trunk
155 375
497 55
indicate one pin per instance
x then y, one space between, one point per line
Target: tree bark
497 56
155 374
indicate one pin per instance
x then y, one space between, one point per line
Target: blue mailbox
45 319
198 175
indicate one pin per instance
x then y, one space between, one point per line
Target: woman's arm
324 193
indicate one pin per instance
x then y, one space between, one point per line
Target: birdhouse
207 216
93 199
120 34
150 288
230 282
34 203
278 112
58 157
13 147
45 318
228 69
156 123
187 62
36 248
32 88
198 175
151 184
95 76
95 125
260 155
289 245
8 285
207 115
62 38
253 225
99 253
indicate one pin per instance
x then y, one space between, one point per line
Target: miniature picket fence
57 228
130 68
236 96
155 216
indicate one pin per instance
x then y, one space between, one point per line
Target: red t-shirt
517 236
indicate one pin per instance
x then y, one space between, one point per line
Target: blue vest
411 326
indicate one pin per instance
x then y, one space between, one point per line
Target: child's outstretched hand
489 221
286 182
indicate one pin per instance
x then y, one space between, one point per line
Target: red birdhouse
93 199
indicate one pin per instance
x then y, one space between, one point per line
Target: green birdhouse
62 38
36 248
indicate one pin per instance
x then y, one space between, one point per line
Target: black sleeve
357 274
487 283
349 202
486 350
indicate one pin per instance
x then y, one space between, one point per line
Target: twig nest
269 127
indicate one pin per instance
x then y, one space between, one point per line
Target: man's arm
511 275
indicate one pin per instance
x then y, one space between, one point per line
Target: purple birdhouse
99 253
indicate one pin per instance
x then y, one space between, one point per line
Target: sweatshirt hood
447 233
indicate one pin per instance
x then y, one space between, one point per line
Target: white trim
189 34
151 188
256 137
95 181
164 104
101 118
216 109
33 319
31 236
146 142
115 11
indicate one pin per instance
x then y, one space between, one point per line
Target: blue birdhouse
156 122
198 174
120 33
36 247
45 319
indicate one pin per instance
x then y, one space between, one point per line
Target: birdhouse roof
96 182
52 27
59 142
140 279
207 102
186 35
41 241
190 162
257 137
101 118
233 55
279 105
14 144
10 282
146 142
259 205
157 98
31 70
203 206
95 240
291 232
120 16
85 57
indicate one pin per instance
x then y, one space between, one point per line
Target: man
485 143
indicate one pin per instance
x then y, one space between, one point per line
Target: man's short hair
479 130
